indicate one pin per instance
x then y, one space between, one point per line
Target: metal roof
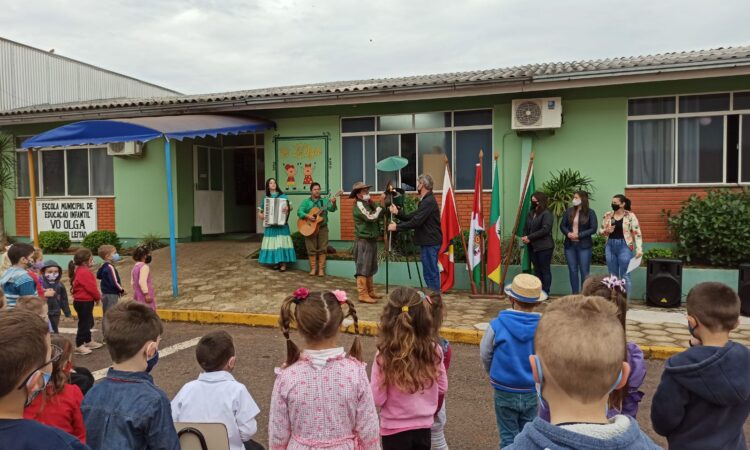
719 58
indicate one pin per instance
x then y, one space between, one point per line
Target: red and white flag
451 229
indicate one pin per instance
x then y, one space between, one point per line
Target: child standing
85 295
321 397
579 361
57 303
408 375
216 397
109 280
140 278
16 281
505 349
703 398
126 410
437 432
60 405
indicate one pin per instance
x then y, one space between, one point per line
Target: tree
7 178
561 188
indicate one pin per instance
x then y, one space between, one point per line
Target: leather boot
364 296
322 266
371 289
313 265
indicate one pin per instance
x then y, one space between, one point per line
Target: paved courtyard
219 276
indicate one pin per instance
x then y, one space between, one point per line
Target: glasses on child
56 353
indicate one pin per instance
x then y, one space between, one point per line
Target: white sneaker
93 345
83 350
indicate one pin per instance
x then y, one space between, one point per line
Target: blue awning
144 129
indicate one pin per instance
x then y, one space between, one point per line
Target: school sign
77 217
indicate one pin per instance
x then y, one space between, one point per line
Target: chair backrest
202 436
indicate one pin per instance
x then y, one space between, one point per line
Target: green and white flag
475 230
525 208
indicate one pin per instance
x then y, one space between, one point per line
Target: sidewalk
218 276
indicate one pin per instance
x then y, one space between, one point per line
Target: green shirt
308 204
366 220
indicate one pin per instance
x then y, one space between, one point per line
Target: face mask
151 363
50 276
116 257
615 207
29 263
691 330
366 197
148 259
45 379
534 205
37 266
576 202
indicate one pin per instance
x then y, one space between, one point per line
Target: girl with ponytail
321 397
408 374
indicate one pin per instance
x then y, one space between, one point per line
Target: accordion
272 211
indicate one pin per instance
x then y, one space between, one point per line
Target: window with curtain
651 151
67 172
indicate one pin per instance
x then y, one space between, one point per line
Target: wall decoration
300 161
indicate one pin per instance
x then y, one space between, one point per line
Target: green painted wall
184 192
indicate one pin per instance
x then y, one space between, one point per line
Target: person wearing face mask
26 359
85 295
366 231
538 237
140 278
624 237
109 279
58 302
126 410
425 221
578 224
16 281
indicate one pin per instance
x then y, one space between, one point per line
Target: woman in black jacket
578 225
538 237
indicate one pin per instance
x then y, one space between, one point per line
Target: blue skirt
277 246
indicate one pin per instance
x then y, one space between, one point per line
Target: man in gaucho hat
366 216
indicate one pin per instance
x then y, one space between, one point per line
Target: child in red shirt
85 295
60 406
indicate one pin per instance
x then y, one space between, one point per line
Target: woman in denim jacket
578 224
623 233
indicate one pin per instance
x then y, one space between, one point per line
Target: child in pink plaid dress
321 398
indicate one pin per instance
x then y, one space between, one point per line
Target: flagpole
482 237
460 232
518 219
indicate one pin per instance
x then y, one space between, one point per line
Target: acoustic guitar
310 227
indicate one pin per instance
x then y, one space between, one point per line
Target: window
71 172
424 139
689 139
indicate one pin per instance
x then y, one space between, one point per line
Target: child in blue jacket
51 274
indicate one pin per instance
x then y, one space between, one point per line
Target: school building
656 128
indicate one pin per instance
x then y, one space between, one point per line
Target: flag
477 226
494 233
530 189
450 228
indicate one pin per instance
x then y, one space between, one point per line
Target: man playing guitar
317 244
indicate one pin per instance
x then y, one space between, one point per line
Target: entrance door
209 188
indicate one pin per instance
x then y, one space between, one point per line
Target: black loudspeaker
664 282
743 289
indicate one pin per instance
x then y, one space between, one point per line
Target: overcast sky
196 46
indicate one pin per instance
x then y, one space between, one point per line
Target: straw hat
358 186
526 288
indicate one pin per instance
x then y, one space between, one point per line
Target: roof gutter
667 68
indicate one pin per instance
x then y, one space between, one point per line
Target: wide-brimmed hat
526 288
358 186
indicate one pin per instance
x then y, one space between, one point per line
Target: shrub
713 230
151 242
95 239
54 241
403 241
658 253
598 255
299 245
560 189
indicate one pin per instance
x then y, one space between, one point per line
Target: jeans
430 267
513 411
108 301
542 261
85 311
579 263
618 256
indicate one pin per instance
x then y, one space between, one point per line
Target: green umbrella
392 164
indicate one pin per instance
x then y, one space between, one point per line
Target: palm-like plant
561 188
7 178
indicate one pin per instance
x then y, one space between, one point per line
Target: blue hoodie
505 350
703 399
541 434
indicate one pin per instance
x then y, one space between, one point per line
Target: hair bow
340 296
424 296
300 294
613 282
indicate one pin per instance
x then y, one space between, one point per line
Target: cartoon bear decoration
308 180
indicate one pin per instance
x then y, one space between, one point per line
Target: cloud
201 46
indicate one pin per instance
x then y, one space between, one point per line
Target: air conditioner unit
537 113
125 149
